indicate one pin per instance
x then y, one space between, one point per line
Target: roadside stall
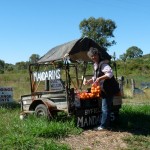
57 85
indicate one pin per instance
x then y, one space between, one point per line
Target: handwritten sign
6 94
50 75
56 85
87 117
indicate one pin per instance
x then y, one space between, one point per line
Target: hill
137 68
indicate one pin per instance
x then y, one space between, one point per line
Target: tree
100 30
9 67
2 65
123 57
34 58
21 65
134 52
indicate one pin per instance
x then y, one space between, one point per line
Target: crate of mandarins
91 98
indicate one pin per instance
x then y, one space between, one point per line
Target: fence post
121 85
132 86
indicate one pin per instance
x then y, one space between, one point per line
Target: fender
48 103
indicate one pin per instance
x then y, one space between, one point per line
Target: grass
138 142
137 98
33 133
39 134
136 120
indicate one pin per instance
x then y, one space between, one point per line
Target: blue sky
34 26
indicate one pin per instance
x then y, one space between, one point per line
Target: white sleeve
107 70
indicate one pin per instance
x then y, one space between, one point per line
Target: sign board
56 85
88 113
87 117
47 75
6 94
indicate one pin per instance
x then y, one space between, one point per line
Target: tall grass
18 81
33 133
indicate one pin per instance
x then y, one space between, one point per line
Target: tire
41 111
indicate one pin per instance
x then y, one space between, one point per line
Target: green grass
39 134
33 133
135 119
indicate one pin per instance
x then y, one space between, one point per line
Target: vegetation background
131 64
136 68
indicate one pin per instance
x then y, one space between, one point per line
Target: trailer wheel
41 111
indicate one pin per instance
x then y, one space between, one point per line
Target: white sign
6 94
49 75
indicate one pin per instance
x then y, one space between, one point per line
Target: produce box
88 107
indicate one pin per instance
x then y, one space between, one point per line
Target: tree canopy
100 30
34 58
134 52
123 57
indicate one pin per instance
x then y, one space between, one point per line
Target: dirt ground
97 140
